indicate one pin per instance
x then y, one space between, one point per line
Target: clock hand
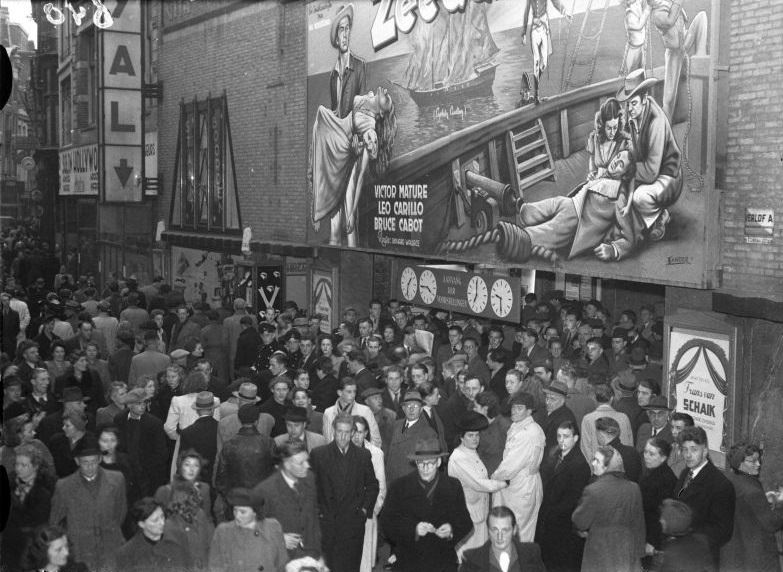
427 287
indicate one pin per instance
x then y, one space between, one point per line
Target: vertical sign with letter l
122 136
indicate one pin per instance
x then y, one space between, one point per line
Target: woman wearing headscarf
611 517
250 542
757 515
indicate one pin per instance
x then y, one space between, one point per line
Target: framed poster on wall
700 358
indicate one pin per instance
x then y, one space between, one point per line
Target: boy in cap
682 549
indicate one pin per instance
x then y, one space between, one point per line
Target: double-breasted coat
610 510
407 504
520 465
564 482
347 490
92 514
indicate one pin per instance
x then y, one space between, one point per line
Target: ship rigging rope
565 47
596 37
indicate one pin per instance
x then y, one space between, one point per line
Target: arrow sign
123 171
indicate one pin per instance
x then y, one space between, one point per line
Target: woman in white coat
361 438
466 466
183 414
525 444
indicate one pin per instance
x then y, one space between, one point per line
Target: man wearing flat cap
425 513
406 434
91 505
348 77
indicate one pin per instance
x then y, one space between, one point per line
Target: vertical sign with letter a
122 136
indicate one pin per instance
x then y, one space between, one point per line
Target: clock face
409 283
477 294
428 286
502 297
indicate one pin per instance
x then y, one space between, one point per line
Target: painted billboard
571 134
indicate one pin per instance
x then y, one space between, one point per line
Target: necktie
396 399
687 482
504 561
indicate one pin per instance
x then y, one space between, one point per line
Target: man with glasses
425 514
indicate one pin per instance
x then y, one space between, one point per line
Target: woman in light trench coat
522 457
466 466
361 438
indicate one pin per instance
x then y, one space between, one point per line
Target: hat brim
197 407
294 419
346 10
554 391
84 399
656 408
420 456
255 399
87 453
623 95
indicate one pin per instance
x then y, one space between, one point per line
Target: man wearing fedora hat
624 385
201 435
296 420
143 438
425 514
659 177
658 413
348 77
385 418
406 434
91 505
557 412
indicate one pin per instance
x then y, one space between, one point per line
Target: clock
409 283
502 297
477 294
428 286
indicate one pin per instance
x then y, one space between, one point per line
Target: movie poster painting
550 134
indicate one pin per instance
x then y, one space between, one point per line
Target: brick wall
754 170
256 53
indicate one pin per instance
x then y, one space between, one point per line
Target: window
65 112
205 196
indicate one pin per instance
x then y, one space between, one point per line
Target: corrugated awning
233 243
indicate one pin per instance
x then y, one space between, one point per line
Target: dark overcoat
23 518
712 500
561 548
141 555
656 485
297 511
151 459
611 512
753 545
407 505
553 421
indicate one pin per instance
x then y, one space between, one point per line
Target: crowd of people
142 432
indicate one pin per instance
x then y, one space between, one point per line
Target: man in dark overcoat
91 505
425 513
290 497
703 487
201 435
347 491
142 437
564 474
556 411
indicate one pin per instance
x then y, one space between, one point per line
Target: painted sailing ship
452 58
